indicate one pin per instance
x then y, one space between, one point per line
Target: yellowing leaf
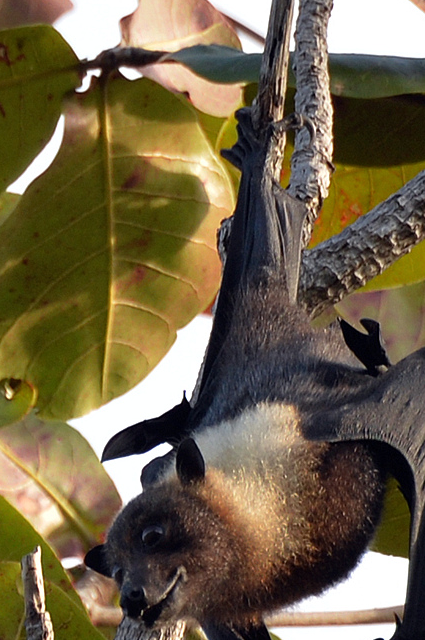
111 250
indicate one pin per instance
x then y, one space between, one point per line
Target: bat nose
133 600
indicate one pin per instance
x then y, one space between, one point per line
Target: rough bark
365 249
311 164
38 623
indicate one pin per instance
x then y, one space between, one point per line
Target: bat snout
133 600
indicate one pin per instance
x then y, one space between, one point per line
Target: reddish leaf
171 25
50 474
14 13
420 4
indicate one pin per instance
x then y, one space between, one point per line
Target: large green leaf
37 67
111 250
50 474
70 619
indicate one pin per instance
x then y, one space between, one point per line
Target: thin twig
335 618
38 623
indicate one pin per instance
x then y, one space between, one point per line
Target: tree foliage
112 249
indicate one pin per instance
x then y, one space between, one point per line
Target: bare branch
311 165
365 249
269 104
38 623
330 618
133 630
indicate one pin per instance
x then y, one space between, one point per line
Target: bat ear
95 559
190 464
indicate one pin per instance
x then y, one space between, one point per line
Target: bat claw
297 121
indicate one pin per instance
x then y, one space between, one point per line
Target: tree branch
331 618
365 249
269 103
134 630
311 164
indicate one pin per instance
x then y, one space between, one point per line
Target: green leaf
352 75
37 68
19 538
219 63
12 612
392 537
385 132
112 249
69 621
8 202
366 76
17 398
49 472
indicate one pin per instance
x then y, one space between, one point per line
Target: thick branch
365 249
311 165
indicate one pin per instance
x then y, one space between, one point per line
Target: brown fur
275 518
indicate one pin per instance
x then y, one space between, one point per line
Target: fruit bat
274 485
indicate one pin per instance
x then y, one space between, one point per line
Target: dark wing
393 415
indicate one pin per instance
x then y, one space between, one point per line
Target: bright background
388 27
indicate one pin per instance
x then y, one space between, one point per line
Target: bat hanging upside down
274 485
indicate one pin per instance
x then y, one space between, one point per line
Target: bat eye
152 534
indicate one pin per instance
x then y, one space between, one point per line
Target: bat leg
367 347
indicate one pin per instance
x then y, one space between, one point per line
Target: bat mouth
151 614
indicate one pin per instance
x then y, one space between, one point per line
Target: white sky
391 27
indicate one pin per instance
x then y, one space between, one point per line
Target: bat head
159 547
